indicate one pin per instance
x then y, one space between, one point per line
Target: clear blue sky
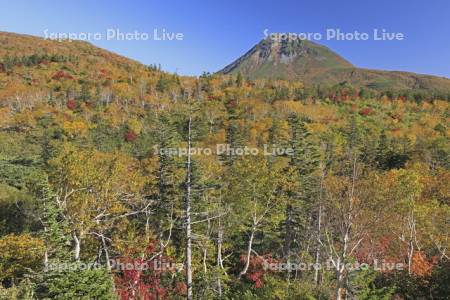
217 32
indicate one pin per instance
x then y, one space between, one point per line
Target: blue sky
217 32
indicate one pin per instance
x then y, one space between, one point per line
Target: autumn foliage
62 75
80 180
366 111
130 136
71 104
149 277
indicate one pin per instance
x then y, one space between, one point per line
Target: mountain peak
312 63
287 50
286 59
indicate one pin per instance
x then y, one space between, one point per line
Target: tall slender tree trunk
107 258
319 229
219 246
46 260
410 244
249 252
410 256
319 225
108 261
341 274
205 257
187 204
288 233
77 246
341 292
219 257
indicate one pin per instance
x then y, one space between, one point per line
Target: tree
91 194
20 253
79 284
239 80
252 194
300 185
187 208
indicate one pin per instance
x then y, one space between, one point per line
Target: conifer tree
301 188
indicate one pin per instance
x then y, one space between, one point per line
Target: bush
77 284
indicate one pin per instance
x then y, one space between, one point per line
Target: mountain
15 45
312 63
31 65
20 50
293 59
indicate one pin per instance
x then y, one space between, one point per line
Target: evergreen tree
239 80
301 183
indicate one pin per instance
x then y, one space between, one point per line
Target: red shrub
103 73
130 136
382 249
71 104
366 111
231 103
421 265
257 268
148 281
62 75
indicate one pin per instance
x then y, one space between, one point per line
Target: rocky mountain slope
311 63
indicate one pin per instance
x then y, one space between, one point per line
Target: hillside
311 63
31 64
104 160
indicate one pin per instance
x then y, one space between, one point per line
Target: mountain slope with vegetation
30 64
101 199
311 63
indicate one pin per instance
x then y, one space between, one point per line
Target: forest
105 193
